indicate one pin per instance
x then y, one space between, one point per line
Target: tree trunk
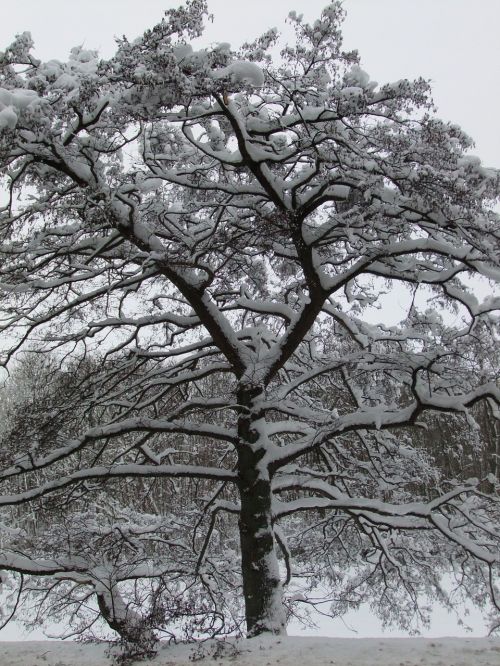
262 588
130 626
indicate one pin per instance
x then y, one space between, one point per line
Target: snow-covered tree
218 230
128 557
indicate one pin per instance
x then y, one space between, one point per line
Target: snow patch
13 103
273 651
241 71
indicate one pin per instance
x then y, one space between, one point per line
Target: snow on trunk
123 619
262 587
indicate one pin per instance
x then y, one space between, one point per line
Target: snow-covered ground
290 651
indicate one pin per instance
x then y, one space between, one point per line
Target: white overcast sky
454 43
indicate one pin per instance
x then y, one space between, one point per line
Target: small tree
138 570
219 229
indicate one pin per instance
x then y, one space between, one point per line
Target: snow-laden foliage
199 239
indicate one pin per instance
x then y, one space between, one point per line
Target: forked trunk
262 588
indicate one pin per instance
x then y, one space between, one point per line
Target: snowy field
290 651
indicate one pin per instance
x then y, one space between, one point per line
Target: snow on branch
226 280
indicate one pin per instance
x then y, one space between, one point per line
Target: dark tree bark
262 586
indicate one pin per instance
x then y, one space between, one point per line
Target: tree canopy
200 240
